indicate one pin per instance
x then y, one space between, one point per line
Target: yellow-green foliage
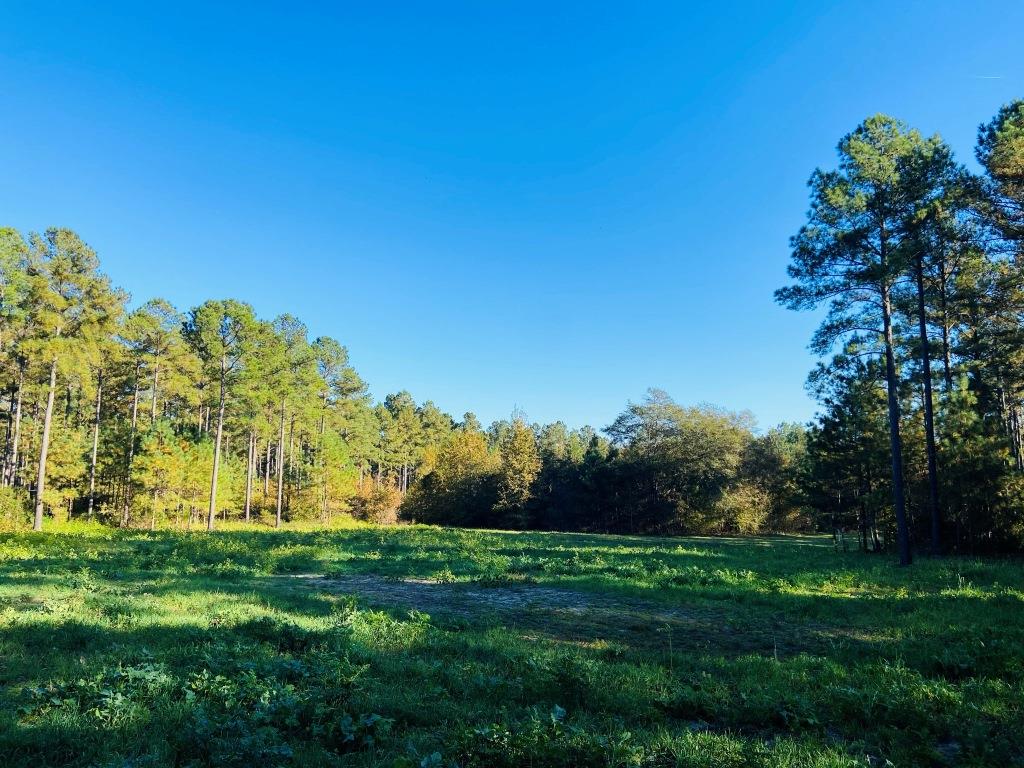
13 508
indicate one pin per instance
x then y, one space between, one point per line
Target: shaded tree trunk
929 418
320 456
131 450
266 471
216 451
280 470
12 470
248 474
291 459
156 383
895 441
44 447
947 368
8 435
95 444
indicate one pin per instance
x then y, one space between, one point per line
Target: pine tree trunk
280 470
44 447
12 470
291 460
266 472
131 451
216 452
248 474
895 441
1015 436
7 437
947 368
929 417
156 383
95 444
320 455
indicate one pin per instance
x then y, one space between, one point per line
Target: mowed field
417 646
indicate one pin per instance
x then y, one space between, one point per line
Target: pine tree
854 254
71 308
222 334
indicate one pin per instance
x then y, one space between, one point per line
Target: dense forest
158 417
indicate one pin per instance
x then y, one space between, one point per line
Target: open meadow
421 646
493 385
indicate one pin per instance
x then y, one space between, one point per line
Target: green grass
130 648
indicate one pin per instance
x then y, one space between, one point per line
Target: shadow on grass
164 649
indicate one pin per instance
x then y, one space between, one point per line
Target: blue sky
542 206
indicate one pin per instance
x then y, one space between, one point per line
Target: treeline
666 469
161 417
157 417
919 264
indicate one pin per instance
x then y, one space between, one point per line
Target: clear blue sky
549 206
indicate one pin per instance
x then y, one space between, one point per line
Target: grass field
429 647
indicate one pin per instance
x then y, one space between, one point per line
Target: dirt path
563 614
470 600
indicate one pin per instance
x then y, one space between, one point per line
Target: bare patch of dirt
471 600
566 615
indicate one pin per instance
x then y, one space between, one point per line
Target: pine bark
895 441
95 444
947 368
280 470
266 472
12 470
8 435
216 447
320 456
251 459
131 450
156 384
44 447
929 416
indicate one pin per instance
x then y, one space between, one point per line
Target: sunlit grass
172 648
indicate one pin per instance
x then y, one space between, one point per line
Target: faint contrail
987 77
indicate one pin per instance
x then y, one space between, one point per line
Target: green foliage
520 465
677 464
13 508
153 417
673 469
459 484
918 265
164 648
70 305
1000 151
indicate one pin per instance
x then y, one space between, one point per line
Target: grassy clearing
434 647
